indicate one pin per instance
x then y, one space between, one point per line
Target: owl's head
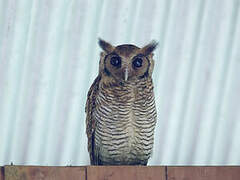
126 62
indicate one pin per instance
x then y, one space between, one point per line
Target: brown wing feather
90 120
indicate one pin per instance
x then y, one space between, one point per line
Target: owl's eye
115 61
137 63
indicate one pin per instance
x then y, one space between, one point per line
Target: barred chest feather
125 121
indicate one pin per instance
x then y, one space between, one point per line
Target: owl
120 108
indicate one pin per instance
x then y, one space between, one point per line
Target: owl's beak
126 74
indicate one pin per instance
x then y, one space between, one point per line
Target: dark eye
137 62
115 61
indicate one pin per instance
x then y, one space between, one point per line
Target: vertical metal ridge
224 77
185 103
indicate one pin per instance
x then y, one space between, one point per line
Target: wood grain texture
44 173
125 172
204 173
119 173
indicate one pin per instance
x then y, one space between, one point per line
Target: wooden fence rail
120 173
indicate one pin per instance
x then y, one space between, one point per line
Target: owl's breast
125 125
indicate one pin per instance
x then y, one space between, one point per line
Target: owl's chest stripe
125 121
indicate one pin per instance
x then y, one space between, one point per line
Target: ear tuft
149 48
107 47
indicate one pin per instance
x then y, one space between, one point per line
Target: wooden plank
44 173
203 173
119 173
125 172
1 173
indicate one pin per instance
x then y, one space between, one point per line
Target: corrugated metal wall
49 58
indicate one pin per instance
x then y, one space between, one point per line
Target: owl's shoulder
92 94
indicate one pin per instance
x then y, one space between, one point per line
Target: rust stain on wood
125 172
204 173
44 173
